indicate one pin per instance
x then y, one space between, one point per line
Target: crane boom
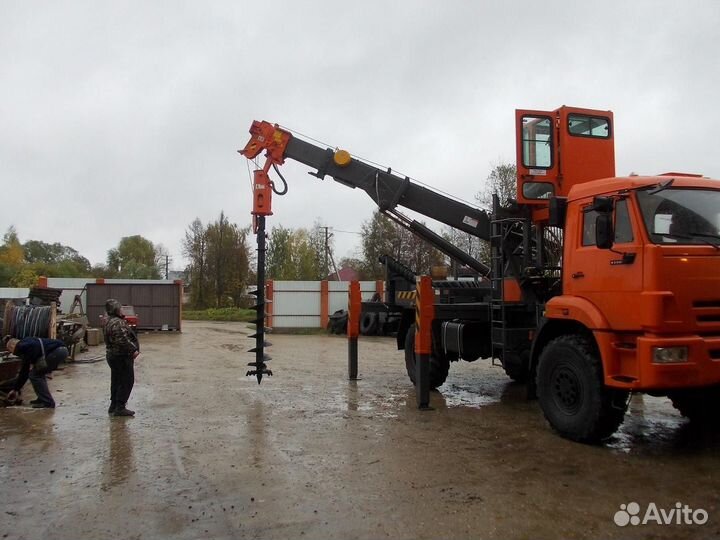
386 189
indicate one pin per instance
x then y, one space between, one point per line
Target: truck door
610 279
559 149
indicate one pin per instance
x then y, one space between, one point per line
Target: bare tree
502 181
381 236
194 248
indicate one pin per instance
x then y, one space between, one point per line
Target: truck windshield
681 215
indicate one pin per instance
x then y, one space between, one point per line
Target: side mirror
603 205
558 211
604 231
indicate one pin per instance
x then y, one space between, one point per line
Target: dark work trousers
38 380
122 379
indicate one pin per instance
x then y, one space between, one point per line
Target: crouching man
39 356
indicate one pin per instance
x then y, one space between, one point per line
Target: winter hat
112 306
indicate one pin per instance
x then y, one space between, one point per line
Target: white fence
299 304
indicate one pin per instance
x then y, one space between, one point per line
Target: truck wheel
571 392
439 366
337 323
699 405
369 324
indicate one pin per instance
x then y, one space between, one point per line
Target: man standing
122 348
32 350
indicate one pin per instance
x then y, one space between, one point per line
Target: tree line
22 263
218 253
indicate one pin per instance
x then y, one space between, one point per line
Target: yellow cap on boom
342 158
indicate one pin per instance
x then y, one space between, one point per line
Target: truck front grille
706 311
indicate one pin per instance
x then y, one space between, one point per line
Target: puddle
456 396
653 426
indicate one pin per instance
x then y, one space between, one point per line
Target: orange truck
598 286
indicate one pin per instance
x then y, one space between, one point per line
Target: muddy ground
308 454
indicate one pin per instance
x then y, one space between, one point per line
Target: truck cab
639 306
642 271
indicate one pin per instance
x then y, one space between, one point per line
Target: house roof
346 274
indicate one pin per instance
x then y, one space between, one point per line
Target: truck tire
699 405
439 366
369 324
572 394
337 323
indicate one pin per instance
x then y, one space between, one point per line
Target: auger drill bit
260 368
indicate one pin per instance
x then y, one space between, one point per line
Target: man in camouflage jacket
122 348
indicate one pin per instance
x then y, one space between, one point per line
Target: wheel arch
566 314
552 328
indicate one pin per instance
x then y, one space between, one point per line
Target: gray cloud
126 116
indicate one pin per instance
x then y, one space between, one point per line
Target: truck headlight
669 355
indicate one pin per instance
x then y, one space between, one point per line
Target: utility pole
326 268
328 254
167 266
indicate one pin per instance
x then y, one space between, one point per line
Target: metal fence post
353 329
424 314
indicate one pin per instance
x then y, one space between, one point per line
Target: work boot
122 411
112 408
43 405
35 402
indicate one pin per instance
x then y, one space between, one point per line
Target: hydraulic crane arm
388 190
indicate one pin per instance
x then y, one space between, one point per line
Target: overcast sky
122 118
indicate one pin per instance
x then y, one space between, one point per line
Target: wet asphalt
309 454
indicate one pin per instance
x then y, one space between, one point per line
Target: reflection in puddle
257 431
352 396
398 399
390 405
455 396
120 463
652 425
31 425
364 401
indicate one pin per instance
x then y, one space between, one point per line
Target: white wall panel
296 304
